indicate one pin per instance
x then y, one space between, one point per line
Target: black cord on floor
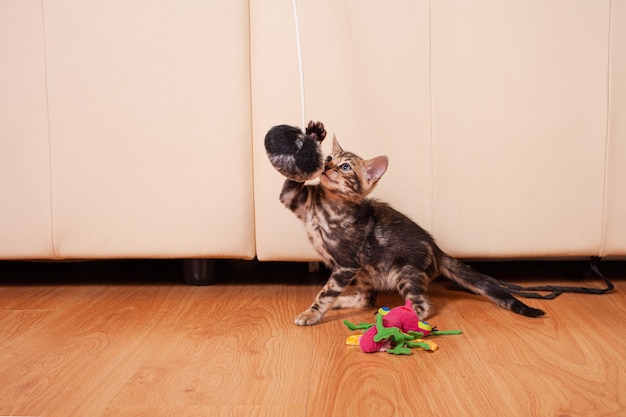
554 290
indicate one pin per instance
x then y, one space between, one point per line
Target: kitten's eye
345 167
328 159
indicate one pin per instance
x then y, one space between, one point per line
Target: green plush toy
395 331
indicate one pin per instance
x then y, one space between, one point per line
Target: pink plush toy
396 331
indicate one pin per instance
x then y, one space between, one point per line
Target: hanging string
299 47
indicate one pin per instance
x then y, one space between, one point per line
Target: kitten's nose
327 165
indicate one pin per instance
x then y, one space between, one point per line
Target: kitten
367 242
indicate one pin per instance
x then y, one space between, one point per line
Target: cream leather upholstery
493 114
519 126
356 83
131 132
614 225
25 213
137 130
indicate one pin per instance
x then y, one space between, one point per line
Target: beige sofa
132 130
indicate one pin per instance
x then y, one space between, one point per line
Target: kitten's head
349 176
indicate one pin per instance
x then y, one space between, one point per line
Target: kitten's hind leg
338 281
364 297
412 285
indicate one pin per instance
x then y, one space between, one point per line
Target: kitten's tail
468 278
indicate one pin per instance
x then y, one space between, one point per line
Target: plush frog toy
395 331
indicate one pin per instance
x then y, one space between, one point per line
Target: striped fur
369 243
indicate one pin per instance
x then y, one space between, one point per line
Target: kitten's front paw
317 130
308 318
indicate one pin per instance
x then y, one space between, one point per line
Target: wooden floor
129 339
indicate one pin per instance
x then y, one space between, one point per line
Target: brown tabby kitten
370 243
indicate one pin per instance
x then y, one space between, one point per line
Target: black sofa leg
199 271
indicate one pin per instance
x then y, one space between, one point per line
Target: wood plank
168 349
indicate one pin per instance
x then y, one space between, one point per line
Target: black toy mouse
296 154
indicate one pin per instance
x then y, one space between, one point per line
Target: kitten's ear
375 168
336 147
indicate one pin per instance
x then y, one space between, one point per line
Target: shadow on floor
170 271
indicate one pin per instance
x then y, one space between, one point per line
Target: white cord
299 46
